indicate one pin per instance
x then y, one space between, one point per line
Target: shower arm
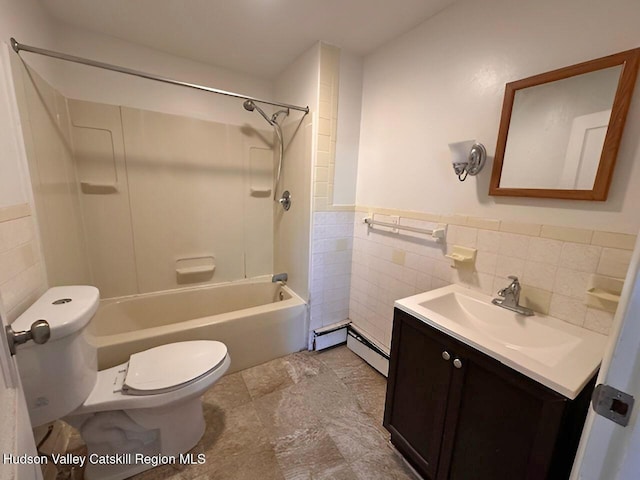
17 47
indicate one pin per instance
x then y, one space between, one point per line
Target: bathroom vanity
460 407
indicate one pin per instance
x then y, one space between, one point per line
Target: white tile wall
554 272
327 127
330 267
377 281
21 269
614 262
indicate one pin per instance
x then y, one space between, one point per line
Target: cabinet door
505 425
417 393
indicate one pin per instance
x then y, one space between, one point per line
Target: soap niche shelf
462 255
603 293
195 269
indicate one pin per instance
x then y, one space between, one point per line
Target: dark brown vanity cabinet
456 413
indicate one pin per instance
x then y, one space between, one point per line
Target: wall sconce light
468 158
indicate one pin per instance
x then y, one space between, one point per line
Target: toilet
131 416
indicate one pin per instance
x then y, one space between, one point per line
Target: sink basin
533 338
555 353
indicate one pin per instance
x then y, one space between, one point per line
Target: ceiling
259 37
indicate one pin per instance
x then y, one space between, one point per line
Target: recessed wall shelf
603 293
260 192
195 269
98 188
461 254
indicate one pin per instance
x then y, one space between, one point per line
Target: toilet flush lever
40 332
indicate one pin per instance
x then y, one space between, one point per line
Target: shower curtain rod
128 71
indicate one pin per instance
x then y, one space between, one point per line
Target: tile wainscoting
21 269
553 263
330 268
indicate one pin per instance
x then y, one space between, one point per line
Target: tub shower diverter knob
40 332
285 201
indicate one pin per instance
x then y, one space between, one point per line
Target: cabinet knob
446 355
457 363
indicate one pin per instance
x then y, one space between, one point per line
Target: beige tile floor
304 416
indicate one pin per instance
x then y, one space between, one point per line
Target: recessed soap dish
603 293
195 269
461 254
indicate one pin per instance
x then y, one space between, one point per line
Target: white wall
444 82
348 129
96 85
298 83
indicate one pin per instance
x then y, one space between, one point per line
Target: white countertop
555 353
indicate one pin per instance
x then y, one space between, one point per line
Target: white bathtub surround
330 267
553 268
125 232
298 84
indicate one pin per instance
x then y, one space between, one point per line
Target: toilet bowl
129 415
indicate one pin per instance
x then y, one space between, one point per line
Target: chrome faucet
280 277
511 298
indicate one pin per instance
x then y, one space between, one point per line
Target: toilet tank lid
67 309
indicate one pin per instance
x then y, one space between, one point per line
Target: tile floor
305 416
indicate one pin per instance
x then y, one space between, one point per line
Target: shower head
250 106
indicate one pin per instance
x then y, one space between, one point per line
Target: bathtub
257 320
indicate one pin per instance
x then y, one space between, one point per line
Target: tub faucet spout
280 277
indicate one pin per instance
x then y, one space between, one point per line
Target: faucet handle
515 283
512 287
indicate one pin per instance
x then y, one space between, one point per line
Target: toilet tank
58 376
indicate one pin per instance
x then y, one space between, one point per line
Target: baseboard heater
330 336
359 344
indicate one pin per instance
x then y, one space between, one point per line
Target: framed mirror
560 131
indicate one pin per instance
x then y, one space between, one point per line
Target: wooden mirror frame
629 60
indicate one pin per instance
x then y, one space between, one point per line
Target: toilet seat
107 394
169 367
